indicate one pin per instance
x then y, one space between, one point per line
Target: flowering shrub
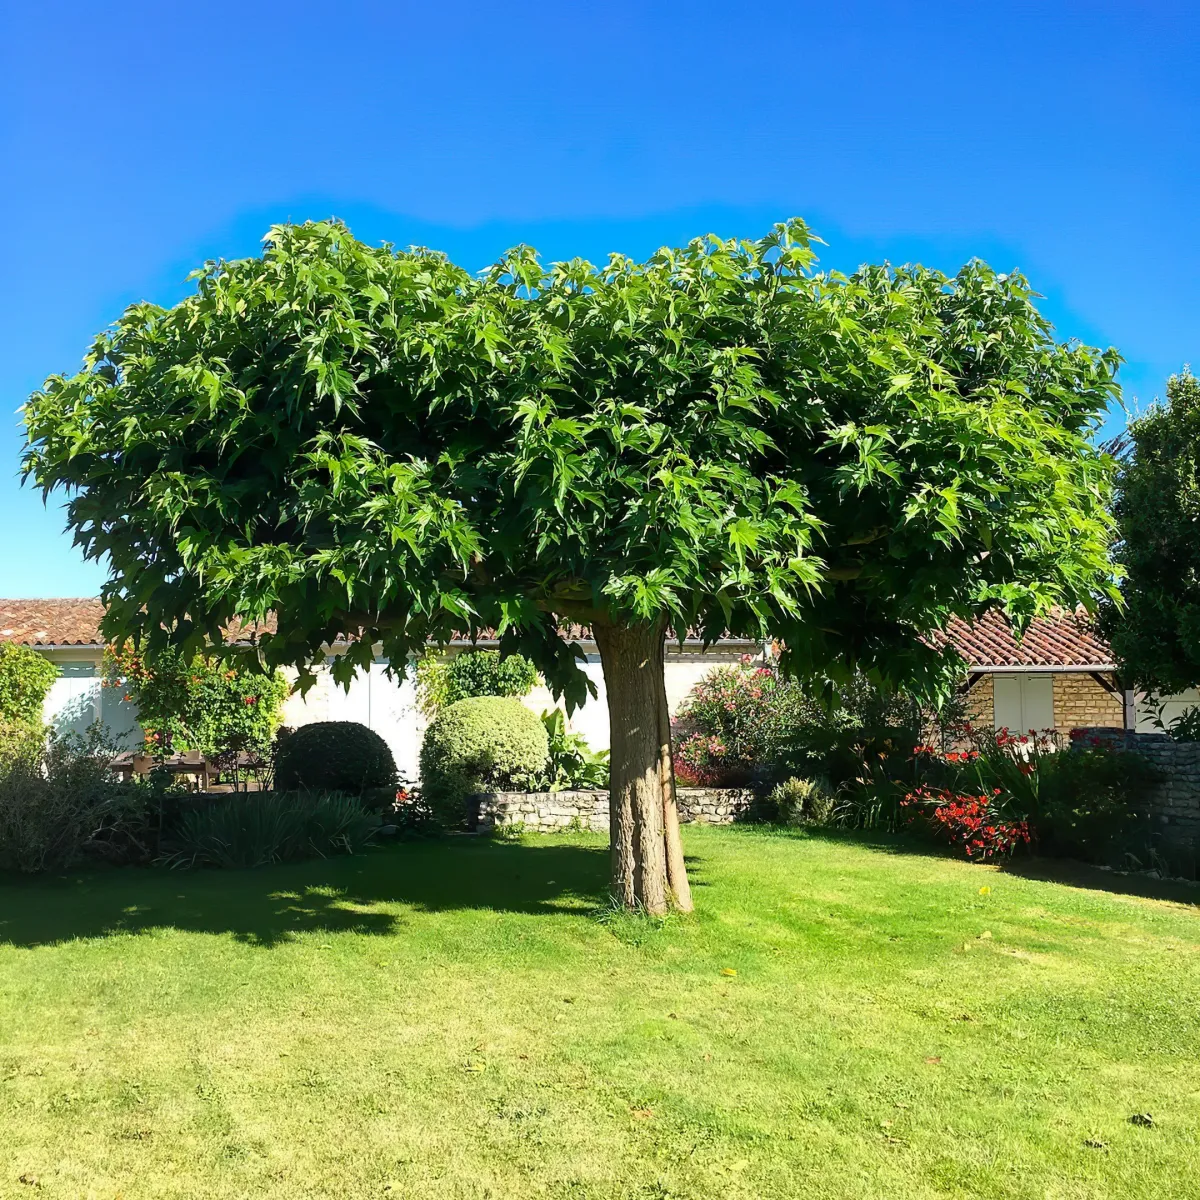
731 723
1087 801
747 722
198 704
974 822
25 679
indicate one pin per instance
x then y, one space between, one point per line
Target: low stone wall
1175 802
550 812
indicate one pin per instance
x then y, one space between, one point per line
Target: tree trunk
677 878
632 659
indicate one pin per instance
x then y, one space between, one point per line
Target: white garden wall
389 707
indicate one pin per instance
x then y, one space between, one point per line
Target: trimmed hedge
334 756
484 743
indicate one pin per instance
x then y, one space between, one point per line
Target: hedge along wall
1175 803
550 812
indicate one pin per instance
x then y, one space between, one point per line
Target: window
1024 702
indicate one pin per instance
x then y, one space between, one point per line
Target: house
1059 675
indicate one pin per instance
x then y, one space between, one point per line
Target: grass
463 1019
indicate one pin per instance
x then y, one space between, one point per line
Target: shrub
59 799
202 703
1095 806
747 723
334 756
800 802
1185 727
572 763
483 743
445 681
25 679
485 673
253 829
978 824
1088 802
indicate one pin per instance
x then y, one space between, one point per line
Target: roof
1063 640
51 622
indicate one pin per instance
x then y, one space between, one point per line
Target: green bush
484 743
1088 801
748 723
59 801
1093 806
200 703
572 763
253 829
334 756
444 681
800 802
25 679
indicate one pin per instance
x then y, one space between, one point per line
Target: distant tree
25 680
380 445
1155 634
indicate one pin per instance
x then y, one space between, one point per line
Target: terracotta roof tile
51 622
1062 639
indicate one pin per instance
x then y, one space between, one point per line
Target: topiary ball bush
334 756
481 744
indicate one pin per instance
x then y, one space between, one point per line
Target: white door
1023 702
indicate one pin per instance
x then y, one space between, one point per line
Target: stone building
1059 675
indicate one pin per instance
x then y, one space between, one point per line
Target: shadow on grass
1066 871
1070 873
270 905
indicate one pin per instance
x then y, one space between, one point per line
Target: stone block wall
1175 802
1080 703
979 703
550 812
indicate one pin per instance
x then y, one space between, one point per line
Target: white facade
374 699
1173 707
76 699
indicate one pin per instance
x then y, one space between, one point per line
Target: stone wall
1080 702
549 812
979 703
1175 802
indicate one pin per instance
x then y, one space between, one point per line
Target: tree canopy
379 444
1155 633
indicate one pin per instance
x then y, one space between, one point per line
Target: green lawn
453 1020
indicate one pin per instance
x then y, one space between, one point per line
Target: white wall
1173 707
373 699
76 700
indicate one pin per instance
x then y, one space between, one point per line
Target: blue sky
139 139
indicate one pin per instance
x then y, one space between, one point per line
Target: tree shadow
269 906
1066 871
1071 873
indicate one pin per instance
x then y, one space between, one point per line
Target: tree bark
677 879
632 659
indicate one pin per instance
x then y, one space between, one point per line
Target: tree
382 446
1155 632
25 680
